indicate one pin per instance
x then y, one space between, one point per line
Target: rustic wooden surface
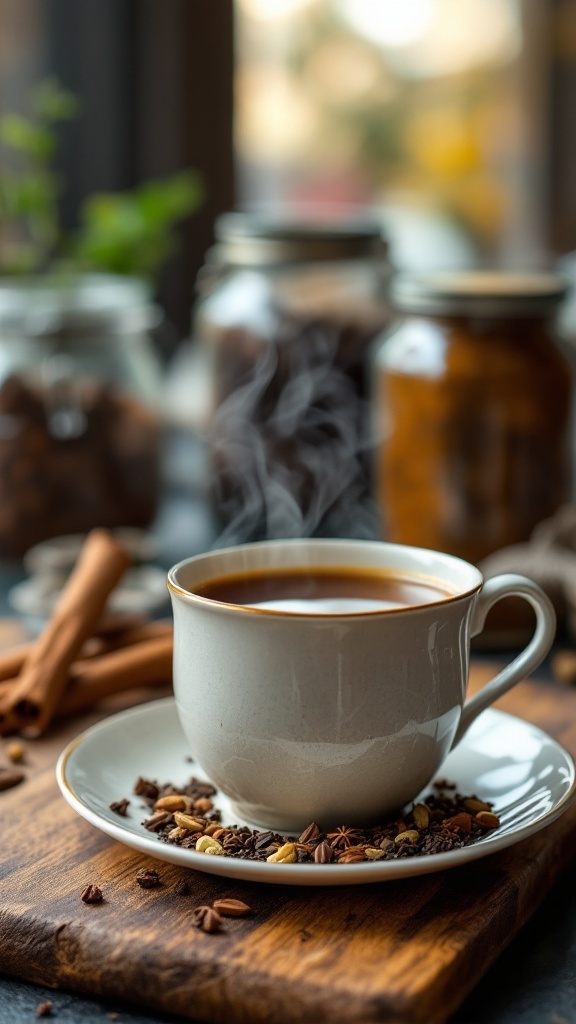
404 951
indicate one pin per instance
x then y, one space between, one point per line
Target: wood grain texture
407 951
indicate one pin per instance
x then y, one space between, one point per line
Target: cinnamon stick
145 664
113 623
110 675
102 644
112 631
44 674
12 660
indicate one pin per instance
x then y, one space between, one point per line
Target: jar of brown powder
79 390
472 398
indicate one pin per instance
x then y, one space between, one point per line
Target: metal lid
479 293
249 239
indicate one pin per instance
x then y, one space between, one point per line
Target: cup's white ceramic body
333 718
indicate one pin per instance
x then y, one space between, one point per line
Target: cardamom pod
188 822
284 855
231 908
206 844
174 802
409 836
462 822
472 804
421 815
488 819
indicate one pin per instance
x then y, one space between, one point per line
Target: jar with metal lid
286 315
79 389
472 408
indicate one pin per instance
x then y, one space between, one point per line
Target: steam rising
292 460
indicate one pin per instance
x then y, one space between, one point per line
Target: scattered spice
286 854
487 819
203 805
343 837
91 894
446 820
310 834
207 919
373 853
189 822
15 751
409 836
10 777
231 908
352 855
475 805
323 853
421 816
146 788
461 822
159 820
205 844
120 807
172 802
44 1009
182 887
148 878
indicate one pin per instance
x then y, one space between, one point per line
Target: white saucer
528 777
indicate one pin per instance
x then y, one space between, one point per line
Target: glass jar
472 405
285 320
79 434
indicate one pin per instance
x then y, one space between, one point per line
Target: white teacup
333 712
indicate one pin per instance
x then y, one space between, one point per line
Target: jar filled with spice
287 313
472 409
79 386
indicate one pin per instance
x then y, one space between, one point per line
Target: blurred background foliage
129 232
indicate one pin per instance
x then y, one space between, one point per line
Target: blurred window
437 112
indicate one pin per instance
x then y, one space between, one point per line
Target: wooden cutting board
404 951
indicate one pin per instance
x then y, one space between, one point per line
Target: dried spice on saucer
445 820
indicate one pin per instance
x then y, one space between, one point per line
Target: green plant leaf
132 232
31 139
169 200
52 103
127 232
31 194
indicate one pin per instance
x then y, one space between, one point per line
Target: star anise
343 837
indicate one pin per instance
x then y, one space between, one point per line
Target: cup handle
509 585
